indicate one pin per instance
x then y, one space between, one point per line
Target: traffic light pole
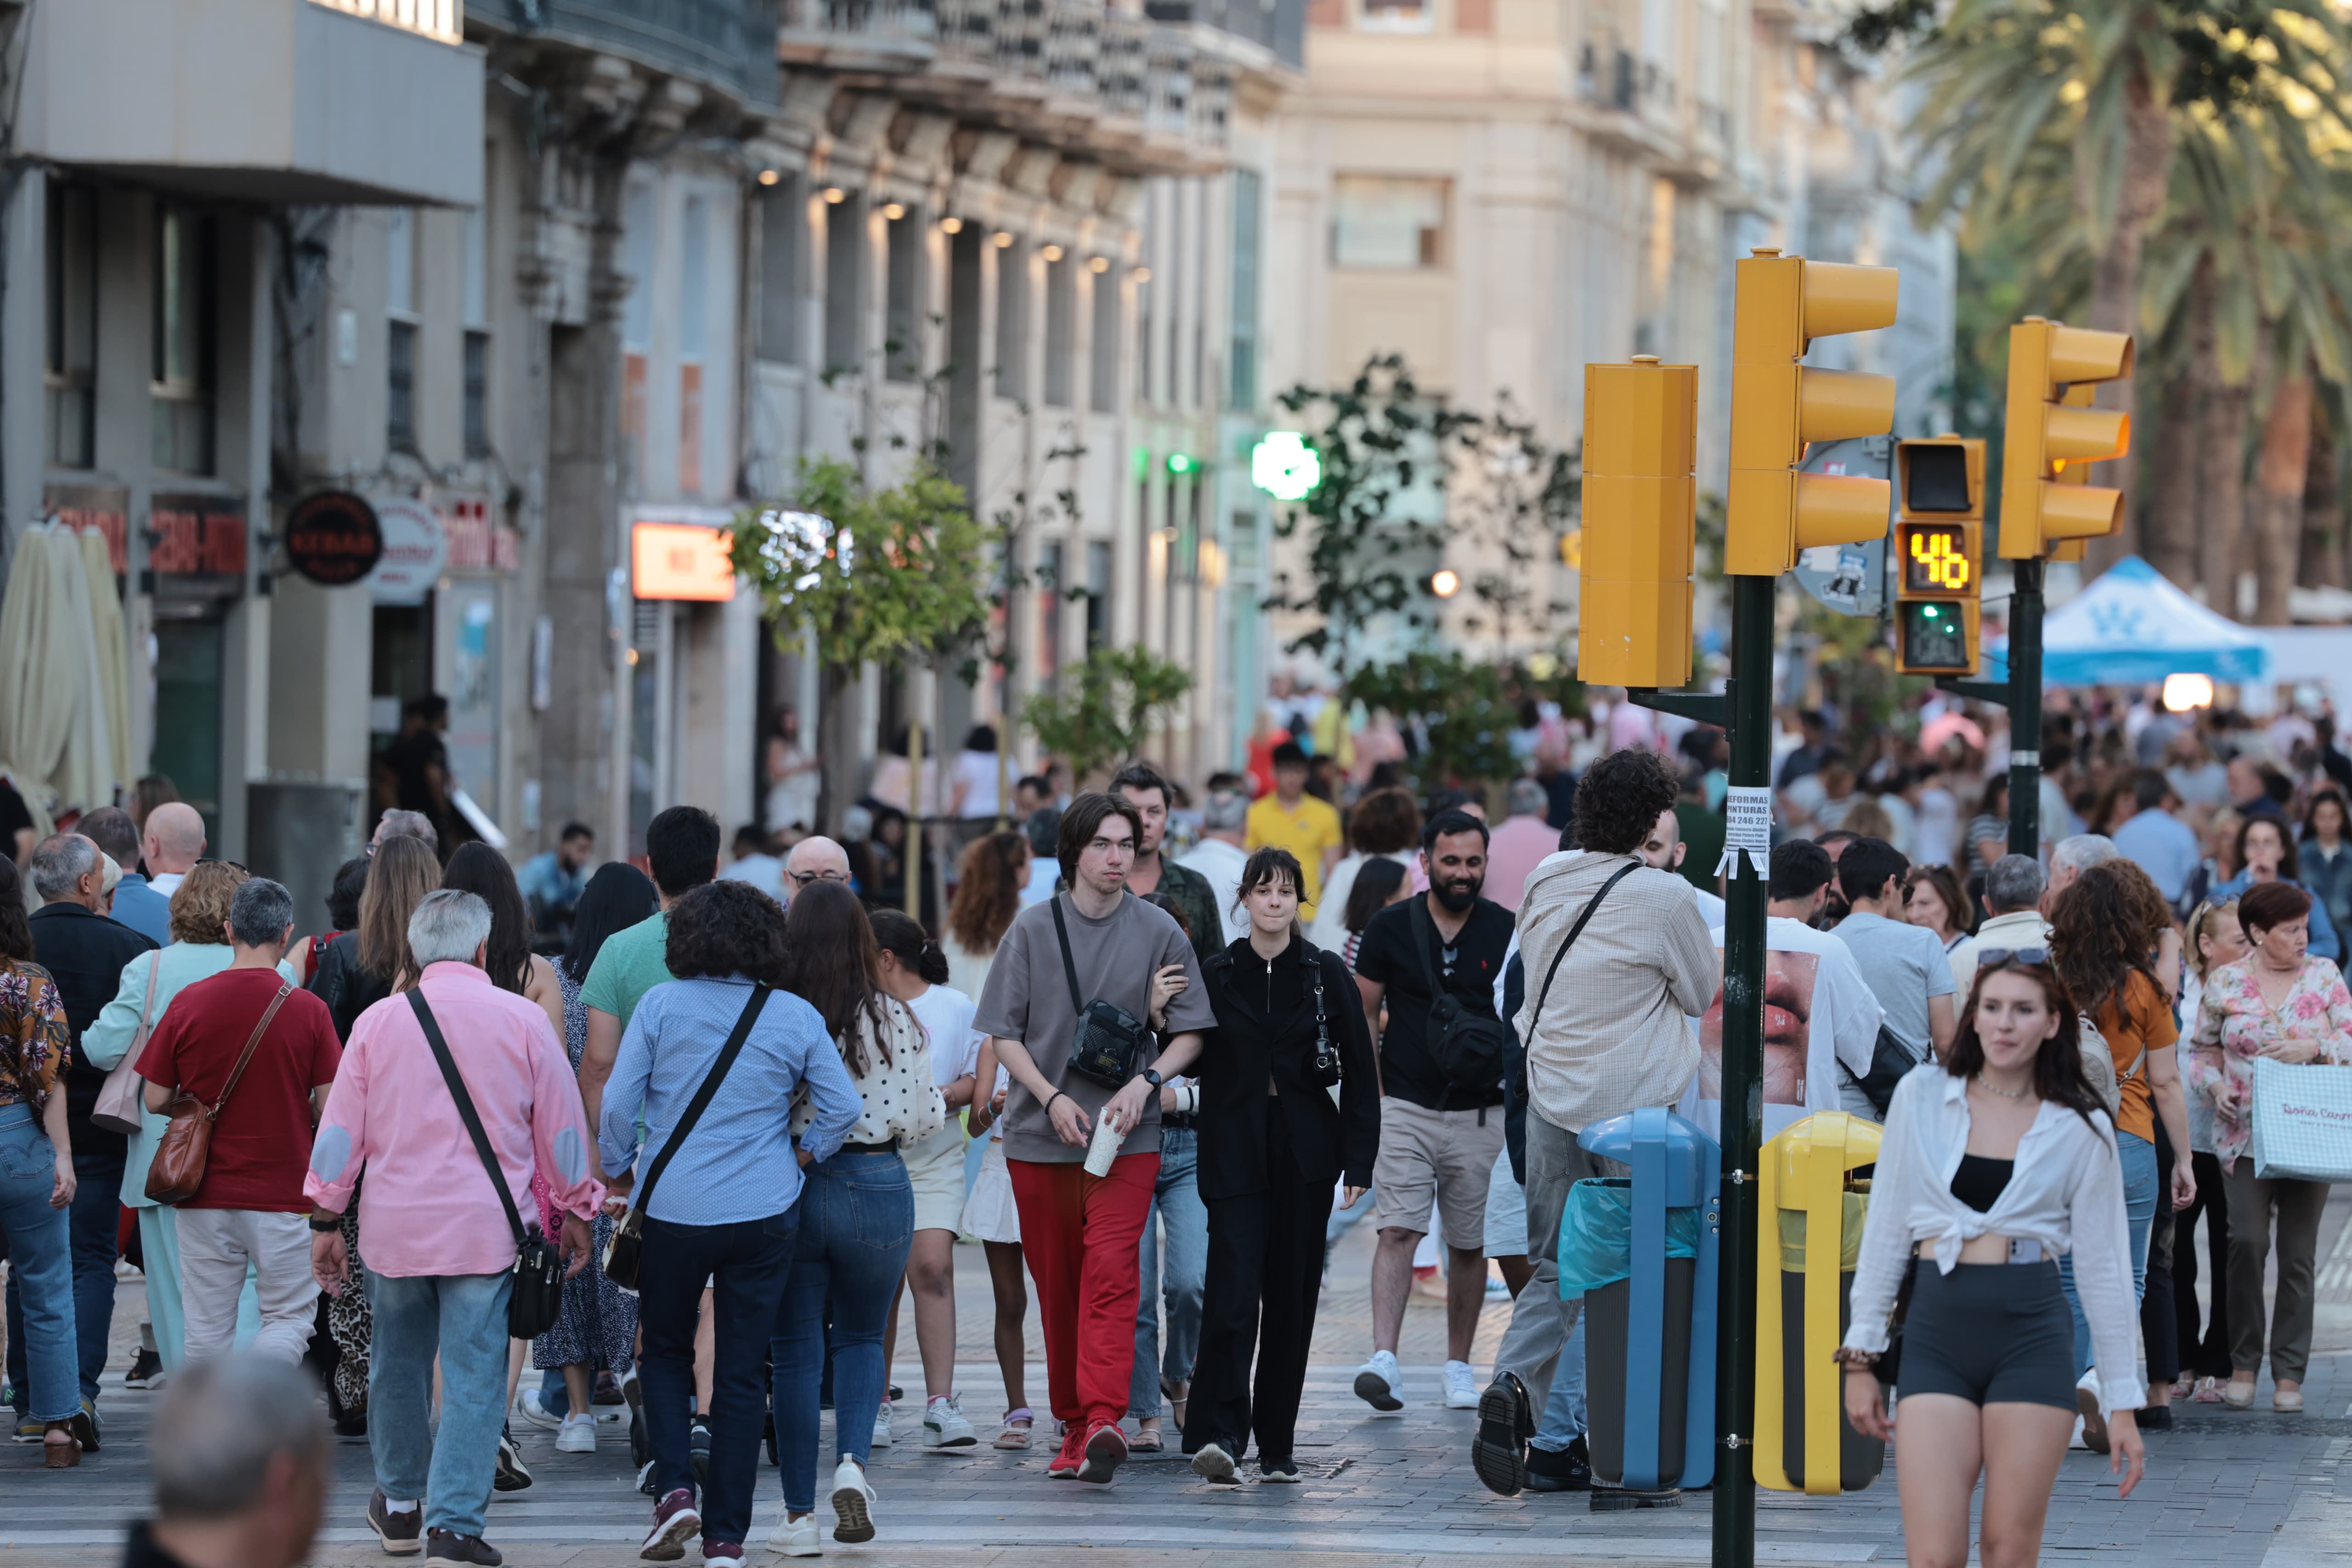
2025 710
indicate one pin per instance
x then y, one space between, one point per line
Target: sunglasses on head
1994 957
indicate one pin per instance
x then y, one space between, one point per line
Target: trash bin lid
1825 1145
1689 1152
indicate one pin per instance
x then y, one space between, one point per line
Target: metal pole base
1623 1500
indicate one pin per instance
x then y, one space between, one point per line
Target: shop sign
195 546
103 510
415 550
478 545
332 538
681 561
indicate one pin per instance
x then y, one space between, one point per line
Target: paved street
2223 1489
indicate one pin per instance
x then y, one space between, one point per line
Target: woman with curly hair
2105 931
1384 825
994 869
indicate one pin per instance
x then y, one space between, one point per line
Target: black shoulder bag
1469 1047
1573 932
537 1299
626 1249
1325 1068
1109 1043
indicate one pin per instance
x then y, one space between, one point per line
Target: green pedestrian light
1183 463
1284 467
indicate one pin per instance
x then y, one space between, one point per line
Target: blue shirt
738 1162
2164 847
143 908
545 883
2324 943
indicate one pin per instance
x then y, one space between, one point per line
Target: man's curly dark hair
724 929
1620 798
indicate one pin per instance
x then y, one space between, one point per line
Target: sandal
2208 1391
1017 1428
1177 1394
1147 1440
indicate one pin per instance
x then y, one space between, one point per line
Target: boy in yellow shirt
1292 819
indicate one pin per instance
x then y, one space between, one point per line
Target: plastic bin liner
1793 1236
1596 1235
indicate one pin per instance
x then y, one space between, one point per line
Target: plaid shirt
1615 1033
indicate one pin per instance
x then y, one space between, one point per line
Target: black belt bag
1110 1041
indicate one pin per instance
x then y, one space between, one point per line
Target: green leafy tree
1108 704
1464 719
900 576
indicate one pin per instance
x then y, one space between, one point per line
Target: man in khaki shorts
1439 1138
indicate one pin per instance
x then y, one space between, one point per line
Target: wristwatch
1153 1079
322 1226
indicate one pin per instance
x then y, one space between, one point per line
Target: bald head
811 859
175 840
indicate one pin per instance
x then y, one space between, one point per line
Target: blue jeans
857 1219
461 1318
748 1263
1177 1200
1563 1413
38 1243
2138 1156
97 1209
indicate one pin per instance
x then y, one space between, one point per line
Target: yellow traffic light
1778 405
1640 500
1939 554
2052 435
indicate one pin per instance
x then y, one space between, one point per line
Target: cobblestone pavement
2224 1489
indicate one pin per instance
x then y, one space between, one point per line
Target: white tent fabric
2131 625
63 710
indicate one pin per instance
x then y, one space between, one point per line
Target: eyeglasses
1994 957
803 878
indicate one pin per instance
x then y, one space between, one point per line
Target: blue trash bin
1644 1253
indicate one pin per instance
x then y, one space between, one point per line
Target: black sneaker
351 1427
1277 1472
1568 1470
2155 1418
449 1546
146 1371
1499 1452
401 1533
512 1474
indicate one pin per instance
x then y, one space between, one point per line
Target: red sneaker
1065 1463
1106 1451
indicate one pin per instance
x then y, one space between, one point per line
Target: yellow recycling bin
1807 1190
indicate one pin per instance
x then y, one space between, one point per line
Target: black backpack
1469 1047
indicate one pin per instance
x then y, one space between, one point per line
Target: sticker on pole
1747 824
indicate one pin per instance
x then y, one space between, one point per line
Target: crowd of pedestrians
685 1136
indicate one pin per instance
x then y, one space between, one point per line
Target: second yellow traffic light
1939 554
1778 406
1641 499
2051 433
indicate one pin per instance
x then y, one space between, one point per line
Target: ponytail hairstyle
896 934
2058 1067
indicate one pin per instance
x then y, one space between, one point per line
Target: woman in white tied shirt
1993 1163
915 971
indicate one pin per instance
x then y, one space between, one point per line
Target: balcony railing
1129 65
725 45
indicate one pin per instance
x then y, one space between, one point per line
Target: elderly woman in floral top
2279 1003
36 1174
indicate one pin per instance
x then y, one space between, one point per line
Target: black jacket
1237 1055
84 953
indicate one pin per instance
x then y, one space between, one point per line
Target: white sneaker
882 1425
576 1435
852 1503
528 1404
1380 1382
944 1426
794 1537
1461 1387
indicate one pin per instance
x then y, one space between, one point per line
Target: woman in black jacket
1272 1145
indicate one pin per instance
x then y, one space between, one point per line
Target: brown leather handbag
178 1165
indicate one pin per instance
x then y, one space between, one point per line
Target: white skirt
989 1212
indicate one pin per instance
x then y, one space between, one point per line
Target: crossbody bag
178 1168
537 1299
1108 1043
1573 932
121 1103
626 1253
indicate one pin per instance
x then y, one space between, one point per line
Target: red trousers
1082 1236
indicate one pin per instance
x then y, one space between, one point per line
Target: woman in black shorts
1994 1163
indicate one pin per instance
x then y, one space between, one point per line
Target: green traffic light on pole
1284 467
1182 463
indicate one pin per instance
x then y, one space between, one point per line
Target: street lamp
1445 581
1284 467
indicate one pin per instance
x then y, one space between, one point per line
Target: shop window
72 356
1395 15
1390 224
180 388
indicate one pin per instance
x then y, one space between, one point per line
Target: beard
1457 896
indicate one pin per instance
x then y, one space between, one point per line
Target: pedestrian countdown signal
1939 554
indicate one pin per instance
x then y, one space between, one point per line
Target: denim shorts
1992 1333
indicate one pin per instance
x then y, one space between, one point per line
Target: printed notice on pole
1747 824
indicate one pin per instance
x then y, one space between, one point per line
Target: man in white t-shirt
1904 963
1220 856
1818 1011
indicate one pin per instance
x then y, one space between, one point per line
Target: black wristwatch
324 1226
1153 1079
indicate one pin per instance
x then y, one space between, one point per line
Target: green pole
1743 1087
2025 710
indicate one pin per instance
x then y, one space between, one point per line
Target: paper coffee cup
1106 1145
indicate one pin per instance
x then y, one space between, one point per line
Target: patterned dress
599 1325
35 1042
2235 1024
